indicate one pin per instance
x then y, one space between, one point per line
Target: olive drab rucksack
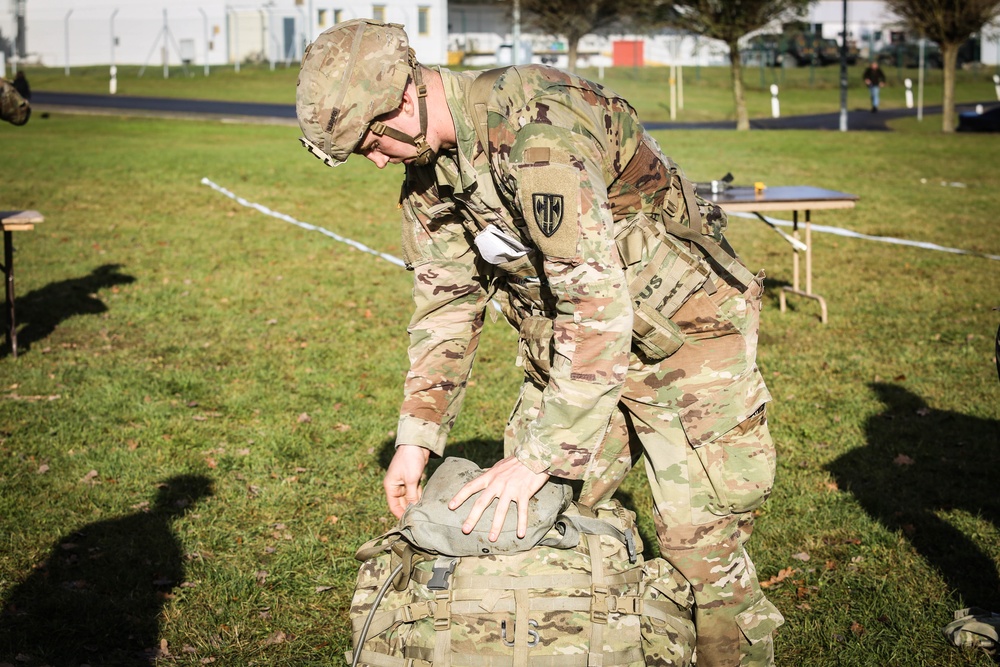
578 593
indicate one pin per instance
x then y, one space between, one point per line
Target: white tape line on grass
304 225
838 231
774 221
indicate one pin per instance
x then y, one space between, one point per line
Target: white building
197 32
222 32
483 31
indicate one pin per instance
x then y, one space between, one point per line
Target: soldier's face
382 149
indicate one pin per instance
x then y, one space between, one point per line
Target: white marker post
996 84
113 86
775 108
909 93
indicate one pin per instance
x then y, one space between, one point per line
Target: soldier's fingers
394 496
478 509
503 506
522 518
465 493
412 493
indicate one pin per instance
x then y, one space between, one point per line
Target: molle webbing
649 179
595 603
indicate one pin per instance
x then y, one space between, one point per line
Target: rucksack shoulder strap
479 97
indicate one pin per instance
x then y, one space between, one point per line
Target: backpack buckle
443 569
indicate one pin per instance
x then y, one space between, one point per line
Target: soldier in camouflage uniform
638 326
13 108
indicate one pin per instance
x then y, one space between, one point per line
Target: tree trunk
949 53
572 48
739 99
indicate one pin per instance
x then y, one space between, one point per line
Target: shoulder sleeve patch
550 199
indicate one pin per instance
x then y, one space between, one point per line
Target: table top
20 220
781 198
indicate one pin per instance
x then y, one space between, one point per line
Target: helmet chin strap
425 154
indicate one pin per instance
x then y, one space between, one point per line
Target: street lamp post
113 39
516 33
66 36
843 74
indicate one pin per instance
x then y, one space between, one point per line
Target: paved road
857 119
162 106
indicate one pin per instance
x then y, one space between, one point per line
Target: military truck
796 46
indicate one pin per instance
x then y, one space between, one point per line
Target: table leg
8 273
795 252
794 289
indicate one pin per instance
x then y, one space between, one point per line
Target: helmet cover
353 73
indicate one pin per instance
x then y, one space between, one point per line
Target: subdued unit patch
550 199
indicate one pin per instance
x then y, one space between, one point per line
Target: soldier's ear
409 102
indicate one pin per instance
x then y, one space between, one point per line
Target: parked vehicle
798 47
907 54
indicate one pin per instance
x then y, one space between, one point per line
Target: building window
423 20
378 12
338 15
322 18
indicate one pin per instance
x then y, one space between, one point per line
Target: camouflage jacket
571 164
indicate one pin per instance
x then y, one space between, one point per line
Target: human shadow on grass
96 598
918 463
40 311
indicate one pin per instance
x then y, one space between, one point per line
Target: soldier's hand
402 479
508 481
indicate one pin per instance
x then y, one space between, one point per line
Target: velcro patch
550 200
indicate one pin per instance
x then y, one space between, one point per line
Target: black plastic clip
443 568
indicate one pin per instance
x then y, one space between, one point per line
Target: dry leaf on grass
778 578
277 637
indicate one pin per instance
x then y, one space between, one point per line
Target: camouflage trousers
698 421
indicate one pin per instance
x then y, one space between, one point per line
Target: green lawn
193 437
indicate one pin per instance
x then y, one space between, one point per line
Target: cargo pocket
735 452
535 348
668 634
758 623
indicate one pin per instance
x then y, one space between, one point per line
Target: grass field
193 437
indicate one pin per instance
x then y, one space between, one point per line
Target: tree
572 19
728 21
949 23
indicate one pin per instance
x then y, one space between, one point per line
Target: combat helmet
353 73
